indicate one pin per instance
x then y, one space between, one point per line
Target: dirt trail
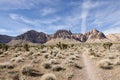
90 70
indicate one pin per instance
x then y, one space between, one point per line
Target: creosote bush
29 71
26 47
4 47
62 45
105 64
49 76
107 45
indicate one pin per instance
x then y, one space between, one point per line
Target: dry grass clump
14 75
58 68
105 64
47 65
54 61
29 71
46 55
49 76
6 65
77 66
73 57
17 59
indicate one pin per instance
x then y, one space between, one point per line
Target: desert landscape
60 56
59 39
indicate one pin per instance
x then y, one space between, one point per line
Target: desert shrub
46 55
72 45
49 76
105 64
17 59
46 65
62 45
29 71
4 47
1 52
26 47
77 66
58 68
91 52
42 46
6 65
54 61
107 45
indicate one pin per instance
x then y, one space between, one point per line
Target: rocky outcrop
79 37
62 34
94 34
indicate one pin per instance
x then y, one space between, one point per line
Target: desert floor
76 62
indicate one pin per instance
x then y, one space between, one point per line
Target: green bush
62 45
26 47
107 45
4 47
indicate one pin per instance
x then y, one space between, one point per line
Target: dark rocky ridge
5 38
33 36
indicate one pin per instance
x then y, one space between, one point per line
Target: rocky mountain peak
63 34
95 34
33 36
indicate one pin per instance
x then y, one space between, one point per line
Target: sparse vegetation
4 47
6 65
62 45
105 64
26 47
49 77
33 62
29 71
107 45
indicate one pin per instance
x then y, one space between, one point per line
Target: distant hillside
34 37
114 37
5 38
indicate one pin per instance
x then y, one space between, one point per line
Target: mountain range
34 37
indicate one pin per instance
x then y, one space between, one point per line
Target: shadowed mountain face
5 38
40 37
33 36
62 34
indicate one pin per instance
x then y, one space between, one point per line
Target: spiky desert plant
107 45
62 45
26 47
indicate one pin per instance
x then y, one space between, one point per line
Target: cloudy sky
18 16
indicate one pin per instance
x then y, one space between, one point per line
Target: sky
79 16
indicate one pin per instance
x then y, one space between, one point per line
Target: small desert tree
107 45
4 47
26 47
62 45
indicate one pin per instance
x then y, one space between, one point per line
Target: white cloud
16 4
112 30
37 22
47 11
4 31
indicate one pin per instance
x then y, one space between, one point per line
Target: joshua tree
107 45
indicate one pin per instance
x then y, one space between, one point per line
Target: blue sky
19 16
